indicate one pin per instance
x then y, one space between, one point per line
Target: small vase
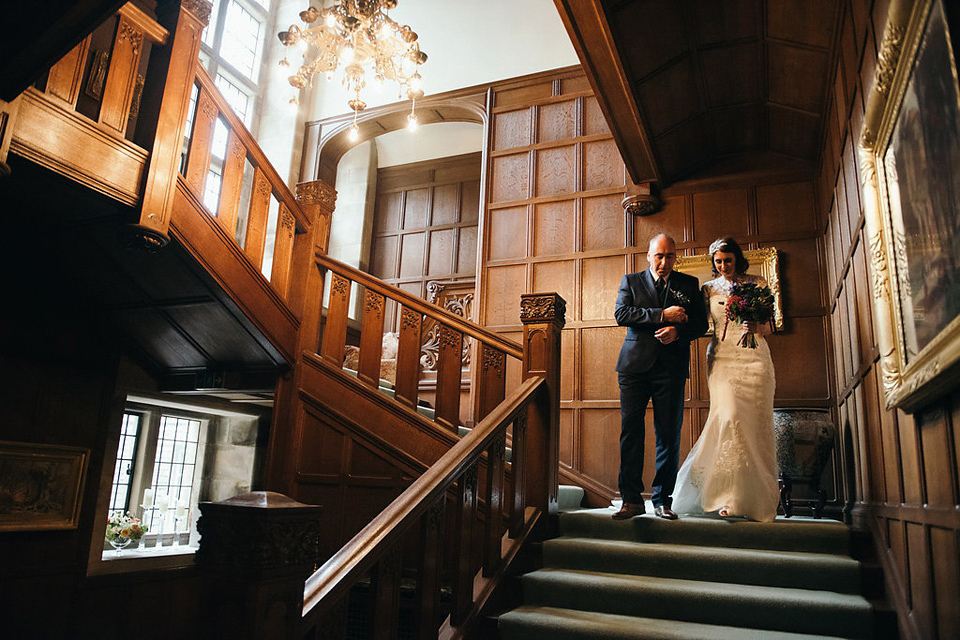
119 543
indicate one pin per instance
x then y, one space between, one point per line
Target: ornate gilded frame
912 373
40 486
764 262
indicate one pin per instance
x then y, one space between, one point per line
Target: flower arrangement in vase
122 529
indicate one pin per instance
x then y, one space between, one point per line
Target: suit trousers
665 386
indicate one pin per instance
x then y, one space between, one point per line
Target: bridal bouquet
748 302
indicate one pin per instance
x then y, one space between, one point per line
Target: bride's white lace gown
733 464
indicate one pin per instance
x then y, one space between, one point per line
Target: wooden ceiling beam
589 30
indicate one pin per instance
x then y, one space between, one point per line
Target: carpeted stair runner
692 578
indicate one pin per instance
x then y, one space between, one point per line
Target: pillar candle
147 498
163 501
181 508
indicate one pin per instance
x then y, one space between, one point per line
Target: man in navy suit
663 312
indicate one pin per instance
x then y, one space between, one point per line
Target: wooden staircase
196 305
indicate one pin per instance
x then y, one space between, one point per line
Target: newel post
542 315
256 551
317 199
166 99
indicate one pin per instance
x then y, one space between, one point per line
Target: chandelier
360 39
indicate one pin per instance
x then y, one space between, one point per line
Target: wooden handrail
345 567
411 301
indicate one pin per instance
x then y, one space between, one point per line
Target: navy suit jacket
639 310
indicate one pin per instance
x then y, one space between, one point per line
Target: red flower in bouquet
748 302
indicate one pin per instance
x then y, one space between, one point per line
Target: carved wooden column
542 315
317 199
166 99
256 550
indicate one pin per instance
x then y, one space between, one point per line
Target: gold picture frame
764 262
40 486
909 160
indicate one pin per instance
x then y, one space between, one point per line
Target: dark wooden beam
589 31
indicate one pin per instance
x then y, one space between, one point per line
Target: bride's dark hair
728 245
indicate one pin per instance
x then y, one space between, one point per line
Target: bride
732 468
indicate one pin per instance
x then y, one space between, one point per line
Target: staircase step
756 607
802 570
783 534
570 497
550 623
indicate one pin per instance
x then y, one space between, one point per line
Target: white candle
163 502
147 498
181 508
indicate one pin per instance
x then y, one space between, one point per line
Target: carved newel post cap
258 533
536 308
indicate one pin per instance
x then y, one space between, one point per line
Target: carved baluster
494 524
201 140
518 468
65 77
231 185
408 356
449 368
283 251
371 337
385 579
491 381
256 235
122 74
335 330
543 319
428 584
466 516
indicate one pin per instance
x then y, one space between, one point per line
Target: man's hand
666 335
675 314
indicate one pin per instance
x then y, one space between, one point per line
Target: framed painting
910 172
763 262
40 486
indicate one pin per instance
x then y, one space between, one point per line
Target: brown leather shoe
665 512
628 510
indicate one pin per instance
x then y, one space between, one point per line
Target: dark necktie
661 286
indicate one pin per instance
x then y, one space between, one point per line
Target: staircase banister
422 306
357 555
253 148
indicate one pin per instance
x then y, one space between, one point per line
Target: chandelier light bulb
354 132
412 122
346 56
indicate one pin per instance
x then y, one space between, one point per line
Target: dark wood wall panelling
553 222
902 469
425 224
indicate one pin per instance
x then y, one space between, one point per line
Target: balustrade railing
494 356
377 550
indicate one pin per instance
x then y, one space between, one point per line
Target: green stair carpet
692 578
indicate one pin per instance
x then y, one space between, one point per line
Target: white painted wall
470 42
429 141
